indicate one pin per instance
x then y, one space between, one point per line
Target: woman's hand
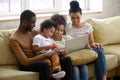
87 46
96 45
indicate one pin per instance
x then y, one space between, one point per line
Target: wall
110 8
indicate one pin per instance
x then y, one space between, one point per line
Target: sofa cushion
14 74
6 55
109 59
106 31
82 56
114 50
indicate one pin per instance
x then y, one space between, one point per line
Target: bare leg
104 77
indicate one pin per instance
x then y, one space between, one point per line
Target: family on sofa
41 57
19 62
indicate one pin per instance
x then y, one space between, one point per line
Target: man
21 44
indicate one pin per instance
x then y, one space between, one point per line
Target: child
79 72
43 44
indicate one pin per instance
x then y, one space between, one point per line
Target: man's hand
47 47
49 54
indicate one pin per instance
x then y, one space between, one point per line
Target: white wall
110 8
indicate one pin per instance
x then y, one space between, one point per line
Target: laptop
76 43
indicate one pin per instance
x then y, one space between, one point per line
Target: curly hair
58 19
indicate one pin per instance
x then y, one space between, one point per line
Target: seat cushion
114 50
109 59
83 56
11 73
106 31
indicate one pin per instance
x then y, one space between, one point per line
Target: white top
40 40
76 32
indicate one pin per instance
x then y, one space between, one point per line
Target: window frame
56 9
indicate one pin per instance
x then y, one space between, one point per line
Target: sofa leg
117 78
114 78
110 78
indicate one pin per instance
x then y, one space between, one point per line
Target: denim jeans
100 63
80 72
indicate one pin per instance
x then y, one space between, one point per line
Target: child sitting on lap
42 43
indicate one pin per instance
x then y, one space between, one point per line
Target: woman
76 28
81 72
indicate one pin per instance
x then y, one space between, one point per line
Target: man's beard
28 29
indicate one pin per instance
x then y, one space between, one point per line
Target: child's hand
53 46
64 52
56 50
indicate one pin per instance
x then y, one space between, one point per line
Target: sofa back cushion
106 31
6 55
